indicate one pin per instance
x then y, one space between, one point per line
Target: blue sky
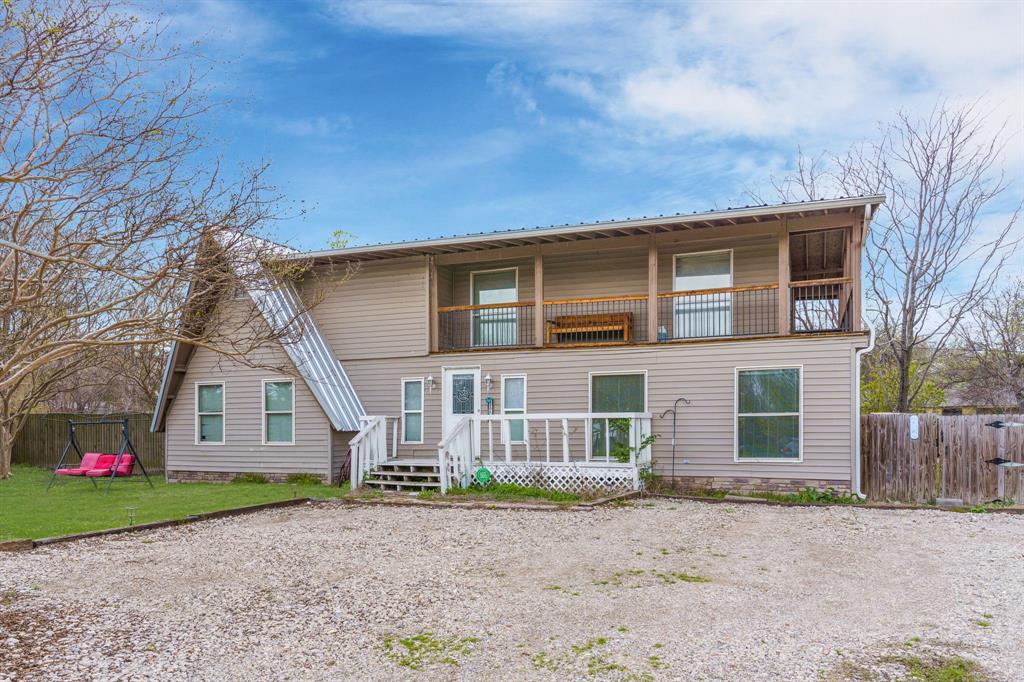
406 120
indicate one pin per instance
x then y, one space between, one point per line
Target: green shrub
304 478
250 478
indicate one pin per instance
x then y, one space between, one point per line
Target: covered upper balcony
655 289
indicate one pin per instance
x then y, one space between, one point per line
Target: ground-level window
768 405
495 326
279 412
513 401
210 413
613 437
412 410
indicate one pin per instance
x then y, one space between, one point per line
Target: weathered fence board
948 459
44 435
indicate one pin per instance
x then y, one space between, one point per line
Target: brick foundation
748 485
177 476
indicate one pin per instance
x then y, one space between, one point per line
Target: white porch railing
562 450
370 446
455 455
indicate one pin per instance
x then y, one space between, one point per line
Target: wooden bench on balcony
594 323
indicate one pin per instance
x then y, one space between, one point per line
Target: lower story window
412 410
210 414
513 401
768 413
279 412
615 438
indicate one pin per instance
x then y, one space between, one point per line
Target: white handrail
455 455
369 448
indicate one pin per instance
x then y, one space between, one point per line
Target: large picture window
210 414
412 410
703 315
615 393
768 413
513 401
279 412
495 326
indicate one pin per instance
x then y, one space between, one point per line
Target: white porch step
407 474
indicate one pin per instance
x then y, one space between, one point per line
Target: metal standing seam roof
301 339
323 373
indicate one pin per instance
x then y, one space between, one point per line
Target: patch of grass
511 492
74 506
667 577
304 479
710 493
983 623
939 668
808 495
250 479
656 662
425 649
542 661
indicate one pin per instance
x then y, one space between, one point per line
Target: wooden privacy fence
43 437
946 460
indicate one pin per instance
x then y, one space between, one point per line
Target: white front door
461 395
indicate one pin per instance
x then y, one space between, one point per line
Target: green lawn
74 506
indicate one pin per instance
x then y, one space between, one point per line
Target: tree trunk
6 448
903 364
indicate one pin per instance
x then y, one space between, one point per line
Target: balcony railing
496 325
592 321
821 305
715 313
814 307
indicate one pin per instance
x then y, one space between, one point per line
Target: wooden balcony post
434 319
652 289
538 299
857 235
785 318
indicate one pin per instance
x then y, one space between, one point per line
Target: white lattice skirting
570 478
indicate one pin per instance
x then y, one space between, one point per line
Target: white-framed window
412 410
210 413
495 326
278 412
513 401
769 414
702 315
615 392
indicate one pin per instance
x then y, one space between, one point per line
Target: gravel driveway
659 590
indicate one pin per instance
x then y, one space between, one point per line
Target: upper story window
279 412
768 413
702 315
495 326
210 413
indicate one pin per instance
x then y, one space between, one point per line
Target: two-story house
717 349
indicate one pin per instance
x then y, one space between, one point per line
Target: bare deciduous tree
987 367
115 232
930 261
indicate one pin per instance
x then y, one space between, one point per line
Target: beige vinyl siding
243 449
607 272
703 373
339 449
377 310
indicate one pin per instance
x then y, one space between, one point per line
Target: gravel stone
331 591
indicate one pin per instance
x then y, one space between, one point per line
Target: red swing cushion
90 460
104 467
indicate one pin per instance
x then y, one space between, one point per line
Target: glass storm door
703 315
461 396
495 326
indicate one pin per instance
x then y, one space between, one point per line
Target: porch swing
94 465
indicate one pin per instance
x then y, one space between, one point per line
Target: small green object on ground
483 475
74 506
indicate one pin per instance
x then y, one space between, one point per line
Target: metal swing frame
126 447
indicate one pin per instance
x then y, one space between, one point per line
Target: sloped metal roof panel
301 338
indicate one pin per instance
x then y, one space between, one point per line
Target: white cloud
814 72
312 126
506 79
